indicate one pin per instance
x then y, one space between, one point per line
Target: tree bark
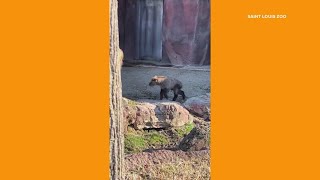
116 118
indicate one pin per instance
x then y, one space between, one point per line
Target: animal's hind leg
175 97
176 92
165 93
161 94
182 94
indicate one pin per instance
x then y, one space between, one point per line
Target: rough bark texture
116 118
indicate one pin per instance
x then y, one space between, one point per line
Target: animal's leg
161 94
182 94
166 93
176 92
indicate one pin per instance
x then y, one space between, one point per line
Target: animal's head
154 81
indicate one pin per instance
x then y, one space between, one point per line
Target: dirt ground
164 164
196 81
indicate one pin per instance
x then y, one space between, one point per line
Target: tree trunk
116 118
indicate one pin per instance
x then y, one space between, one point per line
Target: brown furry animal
166 84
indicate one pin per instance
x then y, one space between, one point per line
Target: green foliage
184 130
134 143
155 138
137 141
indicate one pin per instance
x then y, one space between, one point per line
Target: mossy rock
197 139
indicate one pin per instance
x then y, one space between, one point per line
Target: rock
148 114
173 114
198 139
183 27
186 29
199 106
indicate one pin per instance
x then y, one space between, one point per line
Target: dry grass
193 169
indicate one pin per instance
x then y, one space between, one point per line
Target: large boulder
199 106
198 139
149 114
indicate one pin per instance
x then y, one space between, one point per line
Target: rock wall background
185 26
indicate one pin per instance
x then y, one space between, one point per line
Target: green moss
137 142
184 130
155 138
189 127
134 143
132 103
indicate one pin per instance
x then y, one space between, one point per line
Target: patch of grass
189 127
155 138
134 143
137 142
184 130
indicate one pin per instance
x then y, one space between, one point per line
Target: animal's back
170 83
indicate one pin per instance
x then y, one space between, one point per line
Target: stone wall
185 26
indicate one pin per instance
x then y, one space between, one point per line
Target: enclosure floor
196 81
